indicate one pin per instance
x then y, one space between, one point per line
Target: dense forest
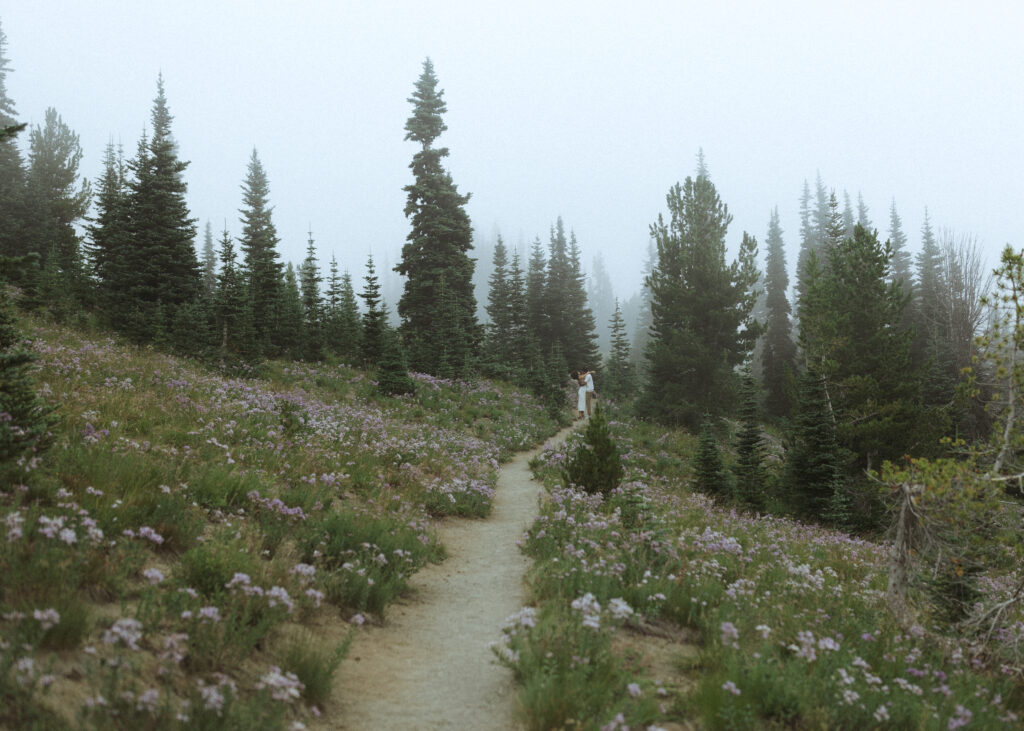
880 391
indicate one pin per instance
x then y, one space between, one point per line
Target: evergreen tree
822 214
848 220
808 242
500 336
162 267
261 265
701 308
710 476
619 375
392 372
814 462
292 334
56 197
901 259
332 305
192 329
25 419
580 343
518 316
751 478
312 304
862 213
835 228
536 289
232 314
851 338
602 300
928 312
374 319
778 354
209 263
644 319
595 465
350 326
435 259
12 167
110 236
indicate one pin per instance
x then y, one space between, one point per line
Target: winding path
430 666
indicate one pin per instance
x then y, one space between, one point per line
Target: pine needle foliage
595 466
392 372
710 476
24 418
751 476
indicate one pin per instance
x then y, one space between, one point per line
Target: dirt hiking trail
430 666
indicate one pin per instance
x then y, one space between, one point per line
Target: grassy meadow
195 549
768 622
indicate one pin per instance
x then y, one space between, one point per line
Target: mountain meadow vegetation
792 507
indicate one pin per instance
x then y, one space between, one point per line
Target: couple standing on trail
585 395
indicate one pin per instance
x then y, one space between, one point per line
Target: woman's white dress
581 399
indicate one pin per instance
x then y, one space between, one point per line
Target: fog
574 109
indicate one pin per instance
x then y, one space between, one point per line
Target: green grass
222 512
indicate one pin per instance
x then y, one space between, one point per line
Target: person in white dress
581 398
588 377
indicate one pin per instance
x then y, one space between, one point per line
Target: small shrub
208 567
314 663
595 466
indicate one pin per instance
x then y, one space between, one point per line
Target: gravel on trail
429 666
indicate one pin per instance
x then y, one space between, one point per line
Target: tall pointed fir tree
536 290
375 317
556 295
261 264
312 347
619 374
644 319
863 219
709 474
848 220
209 262
814 469
518 317
835 229
569 321
750 476
853 345
808 244
236 340
499 342
901 259
342 328
350 325
601 297
110 237
12 167
581 339
930 349
291 322
57 198
162 264
438 295
700 307
778 352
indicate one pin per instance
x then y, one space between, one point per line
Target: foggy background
584 110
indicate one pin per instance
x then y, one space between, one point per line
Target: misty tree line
876 357
234 302
878 360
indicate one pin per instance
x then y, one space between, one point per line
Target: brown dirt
429 666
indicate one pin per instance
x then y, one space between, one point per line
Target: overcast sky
585 110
